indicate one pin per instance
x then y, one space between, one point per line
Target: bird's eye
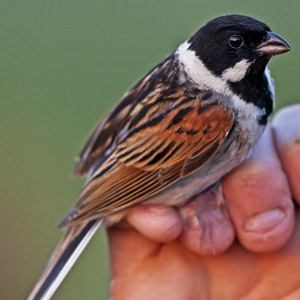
235 41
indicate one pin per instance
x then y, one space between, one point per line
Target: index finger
286 127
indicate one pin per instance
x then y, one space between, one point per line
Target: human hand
158 256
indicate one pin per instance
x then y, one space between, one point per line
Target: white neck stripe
198 72
205 79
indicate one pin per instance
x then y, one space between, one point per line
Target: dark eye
235 41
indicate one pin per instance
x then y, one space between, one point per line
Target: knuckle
259 174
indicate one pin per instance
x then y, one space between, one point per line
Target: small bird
184 125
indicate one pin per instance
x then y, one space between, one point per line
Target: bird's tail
63 258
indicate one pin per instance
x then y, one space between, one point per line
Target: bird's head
230 48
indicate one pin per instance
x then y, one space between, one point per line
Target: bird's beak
273 45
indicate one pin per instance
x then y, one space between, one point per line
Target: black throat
254 88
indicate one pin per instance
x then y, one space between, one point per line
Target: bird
189 121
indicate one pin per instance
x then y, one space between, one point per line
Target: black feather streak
150 123
180 130
145 157
160 155
192 132
179 116
201 109
206 130
173 152
207 95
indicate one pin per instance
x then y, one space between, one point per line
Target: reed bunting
176 132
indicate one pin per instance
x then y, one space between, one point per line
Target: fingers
207 228
259 200
204 226
286 128
158 223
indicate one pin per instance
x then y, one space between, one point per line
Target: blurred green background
63 64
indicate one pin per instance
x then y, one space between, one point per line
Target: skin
242 245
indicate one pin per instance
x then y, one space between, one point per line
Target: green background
63 64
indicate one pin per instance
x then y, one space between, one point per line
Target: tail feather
63 258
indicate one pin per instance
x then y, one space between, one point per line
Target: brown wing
159 145
103 135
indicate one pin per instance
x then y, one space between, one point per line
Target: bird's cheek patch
237 72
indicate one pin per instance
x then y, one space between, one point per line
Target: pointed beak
273 45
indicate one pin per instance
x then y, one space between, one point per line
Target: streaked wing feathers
182 133
101 138
163 146
103 135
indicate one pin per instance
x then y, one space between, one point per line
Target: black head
227 40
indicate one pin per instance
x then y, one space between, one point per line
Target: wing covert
153 154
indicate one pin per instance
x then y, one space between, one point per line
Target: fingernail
265 221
